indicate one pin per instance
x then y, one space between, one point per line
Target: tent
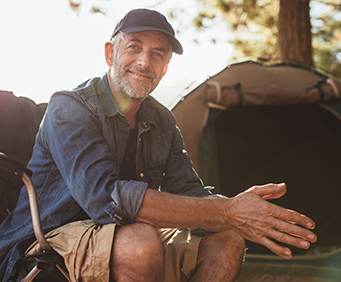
252 124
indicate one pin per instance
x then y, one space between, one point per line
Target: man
109 167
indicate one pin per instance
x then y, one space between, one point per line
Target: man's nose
144 59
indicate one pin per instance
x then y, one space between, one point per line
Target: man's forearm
248 214
166 210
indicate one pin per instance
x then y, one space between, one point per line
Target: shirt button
141 174
163 174
123 127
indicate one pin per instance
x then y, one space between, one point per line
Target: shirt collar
106 97
110 108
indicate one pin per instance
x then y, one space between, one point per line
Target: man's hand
248 214
262 222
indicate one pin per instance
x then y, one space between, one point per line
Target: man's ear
109 52
165 68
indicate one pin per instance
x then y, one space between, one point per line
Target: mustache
137 69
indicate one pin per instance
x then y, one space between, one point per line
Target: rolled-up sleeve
126 200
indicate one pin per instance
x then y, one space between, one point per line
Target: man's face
140 60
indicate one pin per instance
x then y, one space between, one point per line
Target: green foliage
252 21
327 41
255 32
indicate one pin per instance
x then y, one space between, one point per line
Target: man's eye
157 54
134 47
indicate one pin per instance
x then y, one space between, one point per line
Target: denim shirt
76 161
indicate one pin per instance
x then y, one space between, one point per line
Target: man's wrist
217 208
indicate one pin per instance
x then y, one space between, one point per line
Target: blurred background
49 45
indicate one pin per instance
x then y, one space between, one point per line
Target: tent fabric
208 155
253 124
284 84
322 267
311 89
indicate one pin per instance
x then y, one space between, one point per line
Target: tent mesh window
298 144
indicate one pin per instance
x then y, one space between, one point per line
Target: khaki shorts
86 249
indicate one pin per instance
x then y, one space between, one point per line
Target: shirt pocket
156 174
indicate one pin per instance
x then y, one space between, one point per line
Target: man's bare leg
137 254
220 257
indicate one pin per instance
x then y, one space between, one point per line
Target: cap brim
176 46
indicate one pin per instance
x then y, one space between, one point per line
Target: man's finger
289 233
275 248
292 217
288 239
269 191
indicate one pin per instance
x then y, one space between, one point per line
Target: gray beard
138 91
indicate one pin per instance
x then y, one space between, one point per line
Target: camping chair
13 175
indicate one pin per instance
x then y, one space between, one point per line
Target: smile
140 75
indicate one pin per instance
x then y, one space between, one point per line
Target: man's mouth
141 74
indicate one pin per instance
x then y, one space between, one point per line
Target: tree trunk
294 31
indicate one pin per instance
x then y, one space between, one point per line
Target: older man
117 191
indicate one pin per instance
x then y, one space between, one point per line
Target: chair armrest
11 172
13 175
38 231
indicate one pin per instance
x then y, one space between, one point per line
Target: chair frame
36 221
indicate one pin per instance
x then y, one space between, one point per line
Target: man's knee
220 257
229 238
137 251
226 245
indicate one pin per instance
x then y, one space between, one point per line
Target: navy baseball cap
144 20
